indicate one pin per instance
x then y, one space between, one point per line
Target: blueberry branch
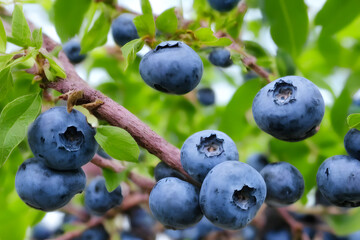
114 165
110 111
130 201
248 60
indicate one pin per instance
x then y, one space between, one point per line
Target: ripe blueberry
64 140
206 96
47 189
97 198
204 150
231 194
284 183
95 233
338 180
281 234
352 143
175 203
162 170
142 223
220 57
290 108
257 161
172 67
123 29
72 50
223 5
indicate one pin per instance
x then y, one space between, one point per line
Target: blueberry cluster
231 193
61 143
338 176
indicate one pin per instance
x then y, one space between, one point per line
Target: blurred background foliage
321 44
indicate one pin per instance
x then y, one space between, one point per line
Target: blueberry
64 140
223 5
330 236
206 96
352 143
95 233
142 223
129 236
249 233
250 75
162 170
204 150
284 183
220 57
172 67
257 161
290 108
354 236
72 50
281 234
175 203
231 194
41 232
338 180
46 189
320 199
97 198
123 29
197 232
355 106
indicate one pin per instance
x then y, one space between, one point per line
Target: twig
114 165
296 227
111 164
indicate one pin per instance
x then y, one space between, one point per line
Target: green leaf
167 22
37 39
353 120
2 37
21 34
68 17
54 66
221 42
205 35
339 112
6 82
130 49
146 7
285 63
335 15
14 121
234 121
145 25
97 35
118 143
288 23
344 224
113 179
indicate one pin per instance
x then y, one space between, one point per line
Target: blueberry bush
225 120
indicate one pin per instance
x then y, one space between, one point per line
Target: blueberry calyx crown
169 44
211 146
244 198
283 93
72 139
